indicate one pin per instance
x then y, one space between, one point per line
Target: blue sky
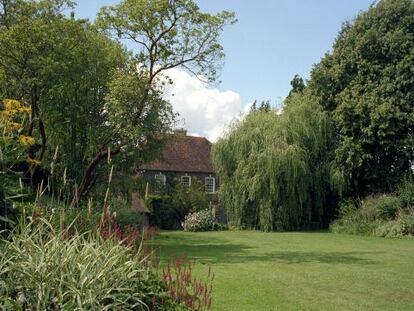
272 41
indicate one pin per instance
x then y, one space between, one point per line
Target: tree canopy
367 84
91 98
276 170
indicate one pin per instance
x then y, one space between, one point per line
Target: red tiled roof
184 154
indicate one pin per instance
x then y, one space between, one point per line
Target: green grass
300 271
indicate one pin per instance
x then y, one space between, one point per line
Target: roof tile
184 154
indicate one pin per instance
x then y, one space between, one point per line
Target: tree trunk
88 174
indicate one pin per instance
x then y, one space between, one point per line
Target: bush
375 215
124 214
44 269
389 229
163 213
168 210
85 218
387 206
190 199
403 226
199 221
79 219
128 217
406 193
356 218
407 223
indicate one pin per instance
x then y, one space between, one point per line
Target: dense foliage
276 170
163 214
45 268
169 208
367 83
15 150
90 97
387 215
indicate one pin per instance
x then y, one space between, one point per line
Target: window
186 180
210 184
160 178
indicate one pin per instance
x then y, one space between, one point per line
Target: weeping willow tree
277 171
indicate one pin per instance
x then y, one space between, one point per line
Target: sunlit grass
300 271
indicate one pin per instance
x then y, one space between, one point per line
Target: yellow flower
25 109
26 140
14 126
8 113
11 104
33 162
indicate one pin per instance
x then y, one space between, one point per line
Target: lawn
300 271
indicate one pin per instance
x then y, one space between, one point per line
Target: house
184 159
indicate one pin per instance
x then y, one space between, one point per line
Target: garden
318 195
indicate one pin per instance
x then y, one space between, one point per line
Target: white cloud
205 111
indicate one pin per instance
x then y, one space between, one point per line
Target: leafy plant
163 214
199 221
183 287
402 226
406 193
47 269
387 206
190 199
356 217
380 215
14 150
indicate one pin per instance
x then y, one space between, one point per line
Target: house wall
221 215
171 177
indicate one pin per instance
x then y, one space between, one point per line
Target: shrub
163 214
219 226
387 206
168 210
79 219
375 215
44 269
407 223
403 226
124 214
128 217
406 193
355 218
199 221
190 199
389 229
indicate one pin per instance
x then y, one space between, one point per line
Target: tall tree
60 66
276 170
367 84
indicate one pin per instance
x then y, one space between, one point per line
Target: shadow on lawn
292 257
217 251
